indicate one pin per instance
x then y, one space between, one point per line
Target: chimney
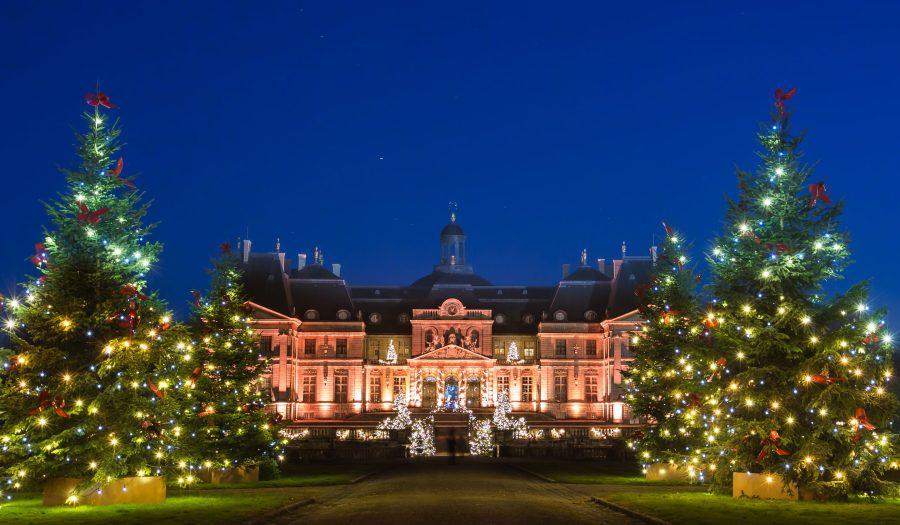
565 270
277 244
246 252
623 249
301 261
281 260
617 264
336 269
601 265
653 256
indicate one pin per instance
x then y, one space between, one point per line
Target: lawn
589 472
702 508
224 503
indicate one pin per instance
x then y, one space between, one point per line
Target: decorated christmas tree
84 391
668 379
807 394
502 420
402 420
224 423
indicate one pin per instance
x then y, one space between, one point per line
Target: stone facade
341 354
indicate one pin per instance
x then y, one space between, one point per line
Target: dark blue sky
350 125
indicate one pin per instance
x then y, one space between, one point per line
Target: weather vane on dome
453 207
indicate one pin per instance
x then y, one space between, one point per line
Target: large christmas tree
668 379
84 393
807 394
223 419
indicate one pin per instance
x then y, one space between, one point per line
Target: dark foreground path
474 492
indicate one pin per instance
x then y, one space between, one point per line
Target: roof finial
453 207
318 256
584 257
623 249
278 244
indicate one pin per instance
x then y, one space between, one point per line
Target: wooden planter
230 475
762 486
145 489
667 472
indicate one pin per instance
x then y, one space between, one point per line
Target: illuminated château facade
341 353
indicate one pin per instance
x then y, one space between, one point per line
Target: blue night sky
350 125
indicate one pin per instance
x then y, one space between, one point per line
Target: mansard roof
586 295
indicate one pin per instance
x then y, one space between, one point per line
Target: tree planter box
667 472
146 489
230 475
762 486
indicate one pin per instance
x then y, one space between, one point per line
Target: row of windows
560 388
340 348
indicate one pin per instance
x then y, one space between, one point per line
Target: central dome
452 229
439 278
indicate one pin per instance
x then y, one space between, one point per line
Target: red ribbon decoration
115 172
781 97
778 247
862 422
225 247
153 388
150 427
669 230
818 192
772 440
208 410
39 256
99 99
670 316
871 338
694 401
824 379
195 374
45 401
752 236
711 322
720 364
88 216
130 290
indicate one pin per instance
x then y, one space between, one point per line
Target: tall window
499 350
309 347
399 386
527 384
309 389
503 384
375 390
591 389
590 347
340 347
561 388
265 344
528 351
340 389
560 347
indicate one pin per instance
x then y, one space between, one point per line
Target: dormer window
343 315
559 315
311 315
374 317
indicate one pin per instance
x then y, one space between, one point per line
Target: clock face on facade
452 309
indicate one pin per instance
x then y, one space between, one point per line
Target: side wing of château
341 353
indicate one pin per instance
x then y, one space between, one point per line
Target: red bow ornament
40 256
156 390
750 234
778 247
773 440
131 291
115 172
871 339
45 400
717 371
195 374
99 99
824 379
88 216
711 322
818 193
670 316
781 97
862 421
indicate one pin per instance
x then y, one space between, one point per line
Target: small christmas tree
667 380
480 436
223 421
808 395
402 420
502 420
391 353
85 392
421 437
513 354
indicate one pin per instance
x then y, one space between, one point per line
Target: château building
341 353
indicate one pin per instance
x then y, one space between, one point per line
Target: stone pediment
451 352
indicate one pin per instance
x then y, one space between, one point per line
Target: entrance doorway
451 393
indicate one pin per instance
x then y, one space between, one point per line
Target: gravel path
471 492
